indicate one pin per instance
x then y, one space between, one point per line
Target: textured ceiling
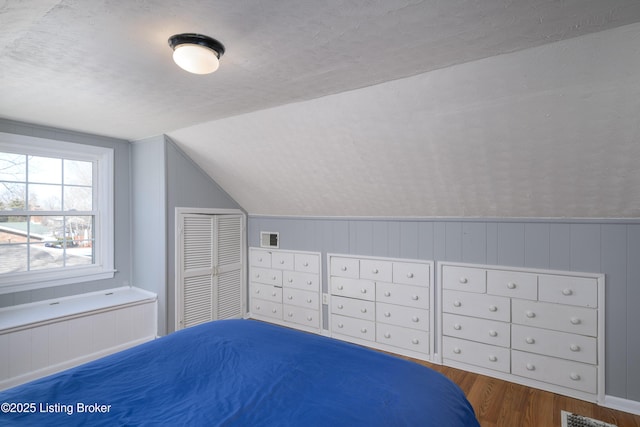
490 107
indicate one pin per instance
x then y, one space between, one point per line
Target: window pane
77 172
12 196
43 256
43 197
13 167
13 258
45 170
78 198
13 229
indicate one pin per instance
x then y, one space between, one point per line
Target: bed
241 373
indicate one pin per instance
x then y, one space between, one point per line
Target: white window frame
103 234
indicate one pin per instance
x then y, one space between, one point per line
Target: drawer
407 317
301 315
477 305
265 275
353 307
464 278
306 281
378 270
363 289
308 263
410 273
260 258
345 267
552 343
266 292
300 298
512 284
358 328
565 373
565 318
581 291
266 308
397 336
283 260
411 296
475 353
474 329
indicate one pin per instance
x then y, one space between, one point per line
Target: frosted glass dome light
196 53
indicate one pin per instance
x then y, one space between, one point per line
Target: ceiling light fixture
196 53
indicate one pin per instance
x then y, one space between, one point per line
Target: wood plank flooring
503 404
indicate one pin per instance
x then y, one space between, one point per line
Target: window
56 213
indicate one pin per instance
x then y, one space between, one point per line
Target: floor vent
574 420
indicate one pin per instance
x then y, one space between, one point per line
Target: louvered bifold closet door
197 269
228 255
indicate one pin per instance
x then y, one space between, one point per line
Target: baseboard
620 404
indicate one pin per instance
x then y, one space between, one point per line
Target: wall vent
574 420
269 239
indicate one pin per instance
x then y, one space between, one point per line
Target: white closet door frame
180 214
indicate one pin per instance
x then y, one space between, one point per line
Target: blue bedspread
243 373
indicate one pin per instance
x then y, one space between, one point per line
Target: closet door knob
574 347
575 321
567 292
409 275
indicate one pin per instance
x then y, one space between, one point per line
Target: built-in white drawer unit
540 328
285 288
385 303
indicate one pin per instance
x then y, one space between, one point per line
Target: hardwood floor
505 404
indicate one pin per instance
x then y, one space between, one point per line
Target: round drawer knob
493 333
457 350
415 341
281 261
340 325
529 340
309 282
511 285
259 259
414 297
530 367
257 276
415 319
363 330
387 335
574 347
290 280
340 287
309 318
387 314
290 297
306 264
457 303
363 291
530 314
344 268
574 376
463 280
567 292
257 307
409 275
363 310
340 306
457 327
493 358
387 294
257 291
575 321
493 308
374 271
274 277
274 310
290 314
309 300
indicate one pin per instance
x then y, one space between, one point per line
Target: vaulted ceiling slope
354 107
